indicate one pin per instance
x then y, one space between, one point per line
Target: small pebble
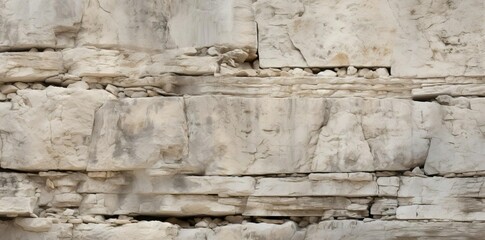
382 72
112 89
362 72
56 80
6 89
213 51
79 85
75 221
371 75
341 72
68 212
11 95
38 86
121 221
351 70
21 85
327 73
139 95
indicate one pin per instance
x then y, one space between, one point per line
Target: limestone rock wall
242 119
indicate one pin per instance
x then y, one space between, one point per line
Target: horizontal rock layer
242 119
289 230
417 38
224 135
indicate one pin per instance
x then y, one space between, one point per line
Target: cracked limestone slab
204 185
458 199
368 28
367 135
138 134
141 230
308 187
99 63
456 135
161 205
17 194
143 182
439 38
39 24
307 206
236 135
359 230
162 24
11 230
49 129
427 190
29 66
287 230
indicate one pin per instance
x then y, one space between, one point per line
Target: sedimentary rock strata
265 119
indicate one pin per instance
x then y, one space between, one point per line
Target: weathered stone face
138 134
242 119
306 39
56 124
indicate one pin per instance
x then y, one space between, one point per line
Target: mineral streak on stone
242 119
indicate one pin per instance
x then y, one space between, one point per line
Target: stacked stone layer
242 119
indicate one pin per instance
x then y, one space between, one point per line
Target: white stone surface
366 135
353 230
156 205
41 24
96 62
235 135
456 136
138 133
459 199
306 206
58 231
295 33
34 224
437 39
205 185
150 230
29 66
17 206
288 230
168 24
306 187
49 129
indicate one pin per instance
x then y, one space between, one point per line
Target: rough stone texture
393 230
233 135
141 230
368 29
242 119
460 199
437 39
154 25
55 124
41 24
416 38
138 134
17 195
10 230
29 66
456 136
307 187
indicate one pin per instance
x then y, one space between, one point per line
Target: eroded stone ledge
287 231
229 135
